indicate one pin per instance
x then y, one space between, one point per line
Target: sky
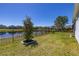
42 14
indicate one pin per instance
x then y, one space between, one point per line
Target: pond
8 35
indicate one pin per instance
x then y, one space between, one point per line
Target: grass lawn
53 44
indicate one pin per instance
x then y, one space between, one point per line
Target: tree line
10 27
59 25
28 28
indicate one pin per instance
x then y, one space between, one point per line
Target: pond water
8 35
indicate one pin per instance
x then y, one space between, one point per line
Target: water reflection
9 35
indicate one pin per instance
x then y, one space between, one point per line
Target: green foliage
3 26
61 22
28 28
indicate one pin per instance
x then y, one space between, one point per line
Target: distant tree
68 28
53 29
19 27
3 27
11 27
43 29
15 27
60 22
28 28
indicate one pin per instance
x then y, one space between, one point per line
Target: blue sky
41 14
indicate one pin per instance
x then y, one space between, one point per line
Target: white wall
77 30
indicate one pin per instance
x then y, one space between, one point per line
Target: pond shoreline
9 35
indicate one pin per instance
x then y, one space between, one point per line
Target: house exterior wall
76 11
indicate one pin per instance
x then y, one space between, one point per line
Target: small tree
61 22
28 29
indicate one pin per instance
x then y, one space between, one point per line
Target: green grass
10 30
53 44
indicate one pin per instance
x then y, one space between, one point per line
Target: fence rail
5 41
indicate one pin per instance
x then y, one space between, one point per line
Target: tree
11 27
28 29
61 22
19 27
3 26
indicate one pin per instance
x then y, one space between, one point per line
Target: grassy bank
51 44
10 30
